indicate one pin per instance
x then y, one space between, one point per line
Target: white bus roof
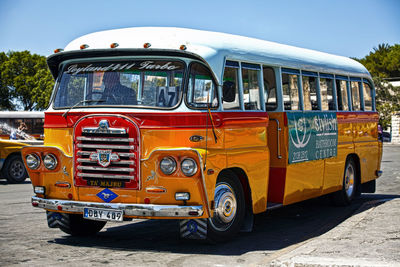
216 47
21 114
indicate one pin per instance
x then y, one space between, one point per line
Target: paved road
313 232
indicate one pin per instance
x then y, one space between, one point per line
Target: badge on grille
107 195
104 157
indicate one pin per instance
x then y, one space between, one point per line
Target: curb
301 254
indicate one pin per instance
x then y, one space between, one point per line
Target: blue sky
343 27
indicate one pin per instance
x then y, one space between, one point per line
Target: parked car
11 164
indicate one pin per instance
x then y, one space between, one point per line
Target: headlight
50 161
32 161
189 167
168 165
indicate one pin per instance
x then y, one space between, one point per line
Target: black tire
345 196
230 202
14 169
74 224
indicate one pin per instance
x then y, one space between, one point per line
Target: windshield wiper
80 102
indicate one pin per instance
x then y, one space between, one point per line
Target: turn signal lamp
114 45
156 189
146 45
58 50
63 184
32 161
84 46
183 47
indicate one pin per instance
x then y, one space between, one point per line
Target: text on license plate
102 214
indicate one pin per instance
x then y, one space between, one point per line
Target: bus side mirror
228 91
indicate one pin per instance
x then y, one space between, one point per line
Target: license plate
103 214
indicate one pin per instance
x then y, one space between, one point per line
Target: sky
349 28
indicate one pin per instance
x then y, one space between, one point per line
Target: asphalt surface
311 233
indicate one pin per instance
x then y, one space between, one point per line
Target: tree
383 61
5 92
27 79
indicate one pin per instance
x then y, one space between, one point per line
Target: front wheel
229 208
348 191
74 224
14 170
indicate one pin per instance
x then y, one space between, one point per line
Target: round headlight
189 167
168 165
50 161
32 161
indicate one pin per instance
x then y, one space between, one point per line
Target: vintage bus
204 127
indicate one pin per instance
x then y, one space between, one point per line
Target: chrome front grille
103 156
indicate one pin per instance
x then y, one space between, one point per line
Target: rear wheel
229 208
14 169
349 184
74 224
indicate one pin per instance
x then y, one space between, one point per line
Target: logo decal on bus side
312 136
301 125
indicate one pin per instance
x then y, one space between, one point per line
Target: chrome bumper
140 210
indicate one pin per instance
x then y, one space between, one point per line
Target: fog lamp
32 161
50 161
39 190
189 167
182 196
168 165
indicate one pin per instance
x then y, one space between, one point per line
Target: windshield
143 83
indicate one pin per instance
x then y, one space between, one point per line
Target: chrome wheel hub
225 207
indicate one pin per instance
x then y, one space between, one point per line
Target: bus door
276 137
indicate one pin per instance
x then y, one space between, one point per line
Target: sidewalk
371 237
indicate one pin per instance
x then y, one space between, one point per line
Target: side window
341 93
201 89
290 87
230 88
310 98
326 88
37 126
29 124
270 96
4 121
251 88
355 95
367 93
